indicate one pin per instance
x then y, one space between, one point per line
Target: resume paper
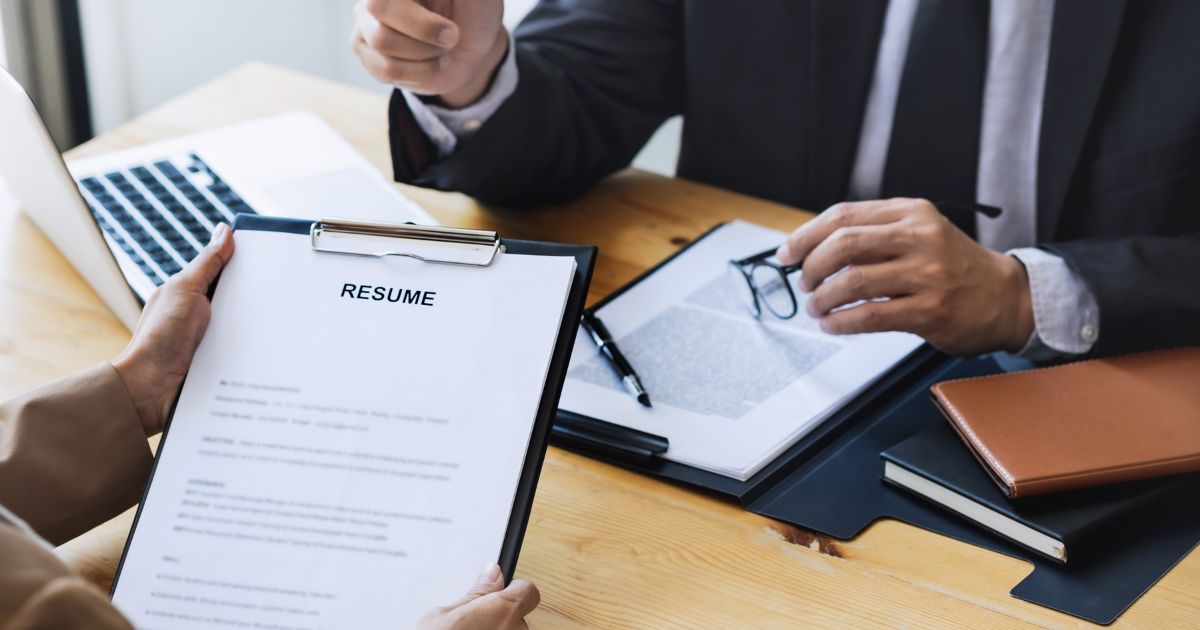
347 446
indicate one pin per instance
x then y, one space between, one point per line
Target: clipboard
830 482
641 452
437 245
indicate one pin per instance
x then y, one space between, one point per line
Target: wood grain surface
608 548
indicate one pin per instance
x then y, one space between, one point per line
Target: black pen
604 341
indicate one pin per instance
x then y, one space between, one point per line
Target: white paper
730 392
337 462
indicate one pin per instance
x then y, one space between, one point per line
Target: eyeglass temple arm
759 257
765 254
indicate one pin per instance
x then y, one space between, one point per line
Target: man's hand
916 272
157 358
487 605
446 48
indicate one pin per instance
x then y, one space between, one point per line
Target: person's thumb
200 273
490 580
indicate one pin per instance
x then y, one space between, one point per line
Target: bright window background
139 53
5 199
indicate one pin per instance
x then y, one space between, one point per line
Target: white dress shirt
445 126
1065 312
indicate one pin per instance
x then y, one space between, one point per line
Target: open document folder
731 391
358 434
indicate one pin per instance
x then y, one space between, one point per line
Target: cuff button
1089 333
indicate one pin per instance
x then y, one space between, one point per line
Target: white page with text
347 445
730 391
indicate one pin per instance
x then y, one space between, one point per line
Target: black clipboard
830 482
598 435
585 258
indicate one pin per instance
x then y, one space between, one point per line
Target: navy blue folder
831 482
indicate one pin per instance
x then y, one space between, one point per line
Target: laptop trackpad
346 194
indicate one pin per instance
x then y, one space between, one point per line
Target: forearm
38 591
72 454
580 109
1146 288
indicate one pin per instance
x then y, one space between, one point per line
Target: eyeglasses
763 283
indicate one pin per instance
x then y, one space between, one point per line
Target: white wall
5 197
143 52
140 53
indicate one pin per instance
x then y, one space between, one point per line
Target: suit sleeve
38 591
73 454
597 78
1147 289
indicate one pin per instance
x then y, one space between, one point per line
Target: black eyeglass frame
949 207
747 266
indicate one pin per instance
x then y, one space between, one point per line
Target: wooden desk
607 547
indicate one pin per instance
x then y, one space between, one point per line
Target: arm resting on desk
581 109
73 454
1147 289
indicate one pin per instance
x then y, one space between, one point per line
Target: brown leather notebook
1081 424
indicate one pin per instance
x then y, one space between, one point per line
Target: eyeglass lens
773 291
741 286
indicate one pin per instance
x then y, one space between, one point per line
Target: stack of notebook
1056 457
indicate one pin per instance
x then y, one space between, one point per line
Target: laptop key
194 196
169 201
183 248
220 189
158 223
125 246
158 240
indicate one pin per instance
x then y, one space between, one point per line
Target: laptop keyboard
161 214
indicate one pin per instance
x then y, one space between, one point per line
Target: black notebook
935 465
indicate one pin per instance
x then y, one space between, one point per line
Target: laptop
129 219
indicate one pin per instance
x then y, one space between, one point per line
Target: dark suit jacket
772 94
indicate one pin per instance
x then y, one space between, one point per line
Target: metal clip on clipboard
432 244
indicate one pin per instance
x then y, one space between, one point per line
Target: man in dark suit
1080 118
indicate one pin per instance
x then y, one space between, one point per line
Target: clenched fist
444 48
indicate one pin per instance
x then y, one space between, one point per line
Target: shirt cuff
1065 314
446 127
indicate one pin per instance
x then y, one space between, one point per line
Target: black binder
1080 522
831 482
488 246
